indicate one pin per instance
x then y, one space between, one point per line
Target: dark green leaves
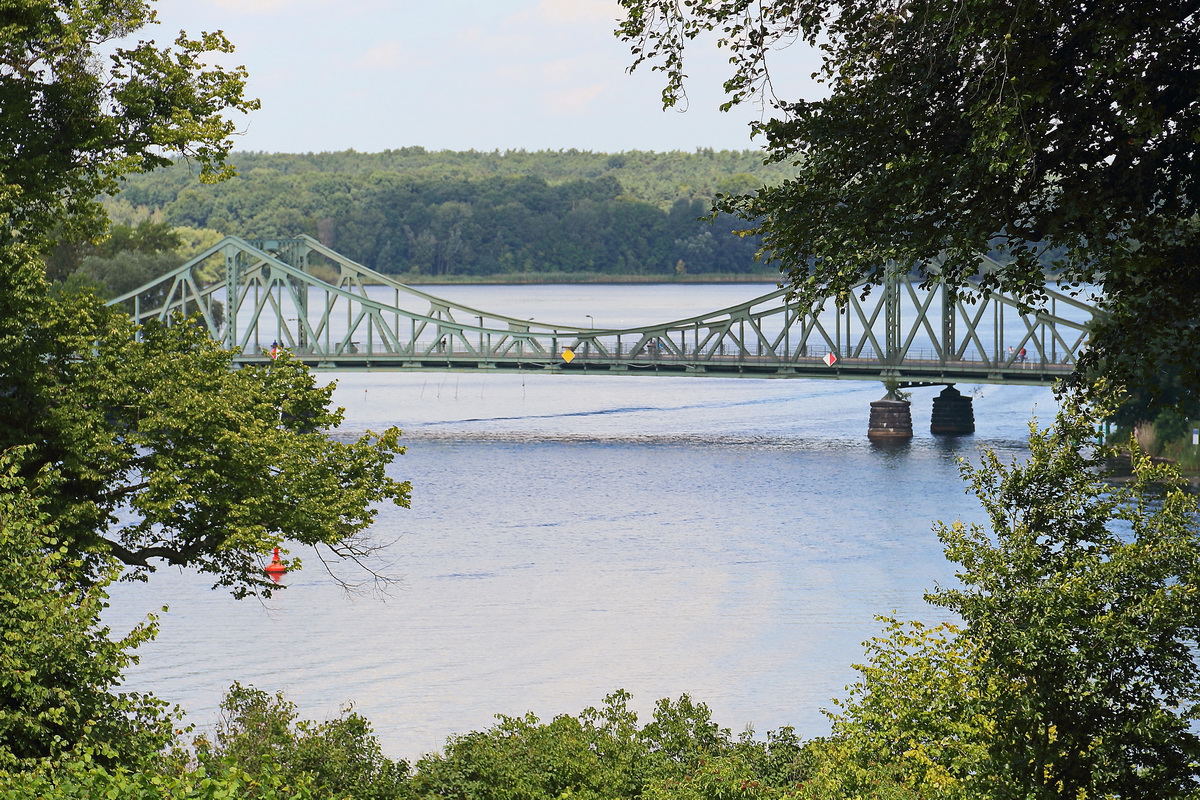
1055 136
155 450
80 106
59 665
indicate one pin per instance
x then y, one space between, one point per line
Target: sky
371 75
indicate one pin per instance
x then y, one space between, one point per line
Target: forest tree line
422 213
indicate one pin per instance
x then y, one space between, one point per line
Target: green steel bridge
335 314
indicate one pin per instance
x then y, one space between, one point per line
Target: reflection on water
732 539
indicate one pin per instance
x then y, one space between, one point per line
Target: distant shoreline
570 278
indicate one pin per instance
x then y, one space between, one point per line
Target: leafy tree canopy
1073 673
259 734
144 443
59 666
1081 598
81 104
161 452
1060 134
680 754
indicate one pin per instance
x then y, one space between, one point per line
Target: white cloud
265 8
599 15
570 12
575 100
561 70
507 41
381 56
256 6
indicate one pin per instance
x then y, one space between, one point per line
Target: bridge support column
891 419
952 414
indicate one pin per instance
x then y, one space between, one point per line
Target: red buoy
276 569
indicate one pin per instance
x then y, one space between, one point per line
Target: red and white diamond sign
830 359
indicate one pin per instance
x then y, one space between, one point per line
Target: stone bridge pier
891 417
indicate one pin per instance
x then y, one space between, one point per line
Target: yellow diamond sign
568 355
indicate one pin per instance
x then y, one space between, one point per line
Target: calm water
731 539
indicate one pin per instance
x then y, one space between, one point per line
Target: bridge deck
915 371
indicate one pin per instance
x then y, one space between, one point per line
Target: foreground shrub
59 666
86 780
602 754
260 735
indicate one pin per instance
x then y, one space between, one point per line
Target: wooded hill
418 213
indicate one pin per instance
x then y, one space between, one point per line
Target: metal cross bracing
335 314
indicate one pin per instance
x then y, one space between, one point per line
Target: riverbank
1119 470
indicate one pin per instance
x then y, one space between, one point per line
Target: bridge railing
534 350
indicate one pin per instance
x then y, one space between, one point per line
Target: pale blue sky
461 74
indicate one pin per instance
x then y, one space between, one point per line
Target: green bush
86 780
259 735
593 756
602 754
59 668
1171 426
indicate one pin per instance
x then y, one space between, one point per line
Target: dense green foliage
146 241
80 106
600 753
1082 604
143 443
656 178
161 452
85 780
1073 673
67 730
59 666
424 213
134 254
259 734
1058 131
125 444
911 715
605 753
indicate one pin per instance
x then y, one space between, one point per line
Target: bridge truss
335 314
